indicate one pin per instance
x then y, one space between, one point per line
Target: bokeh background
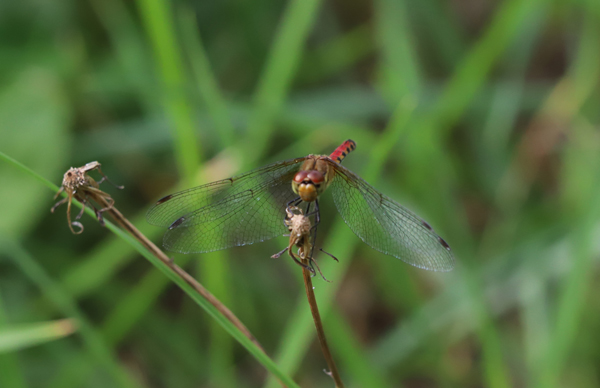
481 116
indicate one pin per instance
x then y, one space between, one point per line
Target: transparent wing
387 226
237 211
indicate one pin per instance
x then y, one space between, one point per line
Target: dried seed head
298 224
73 178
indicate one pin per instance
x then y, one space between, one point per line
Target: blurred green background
481 116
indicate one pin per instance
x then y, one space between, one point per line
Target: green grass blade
401 75
583 180
351 356
217 278
130 309
278 74
158 18
440 22
11 375
23 336
206 83
130 50
475 67
336 55
459 92
91 338
104 261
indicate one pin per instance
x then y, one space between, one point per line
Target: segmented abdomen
340 153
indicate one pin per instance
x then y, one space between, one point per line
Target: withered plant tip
300 229
79 185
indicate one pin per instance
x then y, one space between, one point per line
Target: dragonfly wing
238 211
387 226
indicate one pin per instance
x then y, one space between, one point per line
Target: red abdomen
340 153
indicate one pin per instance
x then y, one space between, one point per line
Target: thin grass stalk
193 283
314 309
186 282
128 226
301 228
280 68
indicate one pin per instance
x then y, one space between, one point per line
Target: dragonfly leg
329 254
57 204
62 188
313 262
314 213
105 178
278 254
98 214
83 202
294 202
110 203
314 228
74 223
306 267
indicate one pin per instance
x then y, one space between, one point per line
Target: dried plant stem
128 226
314 309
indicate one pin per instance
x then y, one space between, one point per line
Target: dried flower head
79 185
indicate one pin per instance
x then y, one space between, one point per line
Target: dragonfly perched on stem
300 229
79 185
248 208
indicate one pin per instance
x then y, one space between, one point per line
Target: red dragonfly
250 207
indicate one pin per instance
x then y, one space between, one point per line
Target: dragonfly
248 208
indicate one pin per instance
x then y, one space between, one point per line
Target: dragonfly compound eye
315 177
300 176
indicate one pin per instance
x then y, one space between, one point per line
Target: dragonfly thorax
312 179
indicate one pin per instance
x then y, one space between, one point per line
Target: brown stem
124 222
128 226
314 309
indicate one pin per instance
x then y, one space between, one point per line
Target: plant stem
314 309
121 220
128 226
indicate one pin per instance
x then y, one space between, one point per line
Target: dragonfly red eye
300 176
316 177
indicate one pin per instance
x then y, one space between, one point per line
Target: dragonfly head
307 184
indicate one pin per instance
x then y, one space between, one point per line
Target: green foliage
482 119
14 338
35 117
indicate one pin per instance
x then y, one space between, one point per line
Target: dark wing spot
164 199
178 222
425 224
444 243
